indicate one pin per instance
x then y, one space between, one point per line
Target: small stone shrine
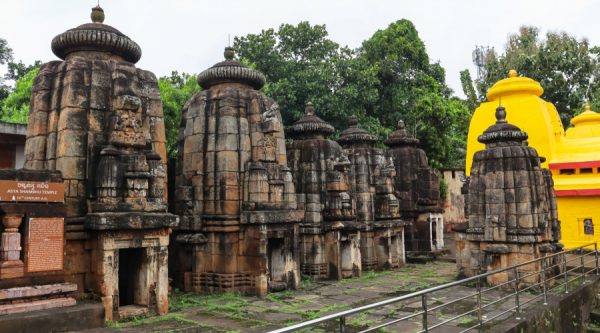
511 206
329 239
235 194
371 176
417 187
98 120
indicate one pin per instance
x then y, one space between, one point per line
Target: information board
45 247
22 191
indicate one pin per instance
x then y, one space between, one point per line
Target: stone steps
43 304
84 315
11 294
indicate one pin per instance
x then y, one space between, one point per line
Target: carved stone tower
511 204
235 195
417 187
371 176
329 241
98 120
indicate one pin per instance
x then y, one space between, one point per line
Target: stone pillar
162 281
11 265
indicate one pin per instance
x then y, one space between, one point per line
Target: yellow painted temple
573 156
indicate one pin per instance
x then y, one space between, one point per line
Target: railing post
342 324
517 303
424 306
544 281
565 273
596 255
479 309
583 268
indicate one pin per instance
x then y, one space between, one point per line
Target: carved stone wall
98 120
417 188
319 169
234 192
511 206
371 178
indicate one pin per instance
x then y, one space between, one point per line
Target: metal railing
554 276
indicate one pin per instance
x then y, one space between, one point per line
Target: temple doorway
130 265
276 264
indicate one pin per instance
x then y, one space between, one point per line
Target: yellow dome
514 84
588 117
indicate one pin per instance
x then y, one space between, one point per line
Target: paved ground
230 313
235 313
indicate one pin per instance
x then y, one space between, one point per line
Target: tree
302 64
6 56
567 68
468 89
414 90
15 108
14 101
175 91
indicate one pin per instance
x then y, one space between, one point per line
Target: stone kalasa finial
400 124
500 114
229 53
309 109
352 121
97 14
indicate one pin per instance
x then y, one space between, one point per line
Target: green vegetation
175 91
566 67
388 78
14 100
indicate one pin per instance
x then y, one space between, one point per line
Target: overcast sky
189 36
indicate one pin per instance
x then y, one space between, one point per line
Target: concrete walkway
192 312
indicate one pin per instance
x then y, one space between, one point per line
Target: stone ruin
417 187
98 120
245 220
371 177
329 235
511 207
234 190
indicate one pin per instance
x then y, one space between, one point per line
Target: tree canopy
15 107
566 67
14 100
175 91
387 79
302 64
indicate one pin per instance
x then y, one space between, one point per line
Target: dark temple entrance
130 264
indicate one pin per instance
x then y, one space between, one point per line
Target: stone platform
73 318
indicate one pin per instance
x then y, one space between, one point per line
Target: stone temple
252 212
417 187
234 190
329 237
511 206
98 120
371 178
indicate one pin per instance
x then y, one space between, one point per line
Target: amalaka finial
500 114
229 53
97 14
587 107
400 124
512 73
352 121
309 109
